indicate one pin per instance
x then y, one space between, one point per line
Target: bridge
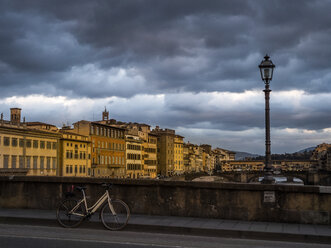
308 177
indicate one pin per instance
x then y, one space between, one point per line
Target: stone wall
277 203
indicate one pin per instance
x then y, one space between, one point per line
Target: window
75 169
42 144
6 141
21 162
80 169
49 145
91 130
21 142
48 163
67 169
35 161
13 161
54 163
28 143
28 161
54 145
42 162
35 144
5 161
70 169
14 142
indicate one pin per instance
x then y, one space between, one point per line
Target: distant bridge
308 177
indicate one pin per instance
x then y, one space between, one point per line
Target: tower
105 115
15 115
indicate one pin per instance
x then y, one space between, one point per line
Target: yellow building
150 156
30 150
179 167
134 158
108 148
75 155
165 150
193 158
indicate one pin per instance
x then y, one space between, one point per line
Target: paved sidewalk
187 225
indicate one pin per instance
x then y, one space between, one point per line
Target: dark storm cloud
222 41
181 50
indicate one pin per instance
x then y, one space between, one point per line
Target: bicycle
114 213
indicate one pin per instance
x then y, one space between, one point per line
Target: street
12 236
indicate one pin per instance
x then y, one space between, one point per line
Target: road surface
26 236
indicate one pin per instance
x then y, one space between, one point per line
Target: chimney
15 115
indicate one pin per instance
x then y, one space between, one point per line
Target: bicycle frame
96 205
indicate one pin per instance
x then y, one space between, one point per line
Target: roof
36 123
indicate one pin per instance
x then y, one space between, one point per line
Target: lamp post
266 70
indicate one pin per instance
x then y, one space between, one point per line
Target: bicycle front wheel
69 214
116 216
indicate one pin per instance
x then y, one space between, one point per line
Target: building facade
179 167
165 151
150 156
134 158
75 155
107 148
149 143
32 151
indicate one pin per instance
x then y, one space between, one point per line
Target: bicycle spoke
70 218
115 215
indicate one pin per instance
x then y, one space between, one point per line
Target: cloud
180 64
224 119
214 46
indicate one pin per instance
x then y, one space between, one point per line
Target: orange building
108 148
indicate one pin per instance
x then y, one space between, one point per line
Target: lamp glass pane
266 73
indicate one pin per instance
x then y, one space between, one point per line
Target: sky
187 65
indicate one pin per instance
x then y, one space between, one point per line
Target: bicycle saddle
80 188
106 185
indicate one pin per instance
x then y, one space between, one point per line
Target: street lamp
266 70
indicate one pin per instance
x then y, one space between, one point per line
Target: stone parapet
236 201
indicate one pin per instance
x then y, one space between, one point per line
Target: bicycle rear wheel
119 218
68 218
